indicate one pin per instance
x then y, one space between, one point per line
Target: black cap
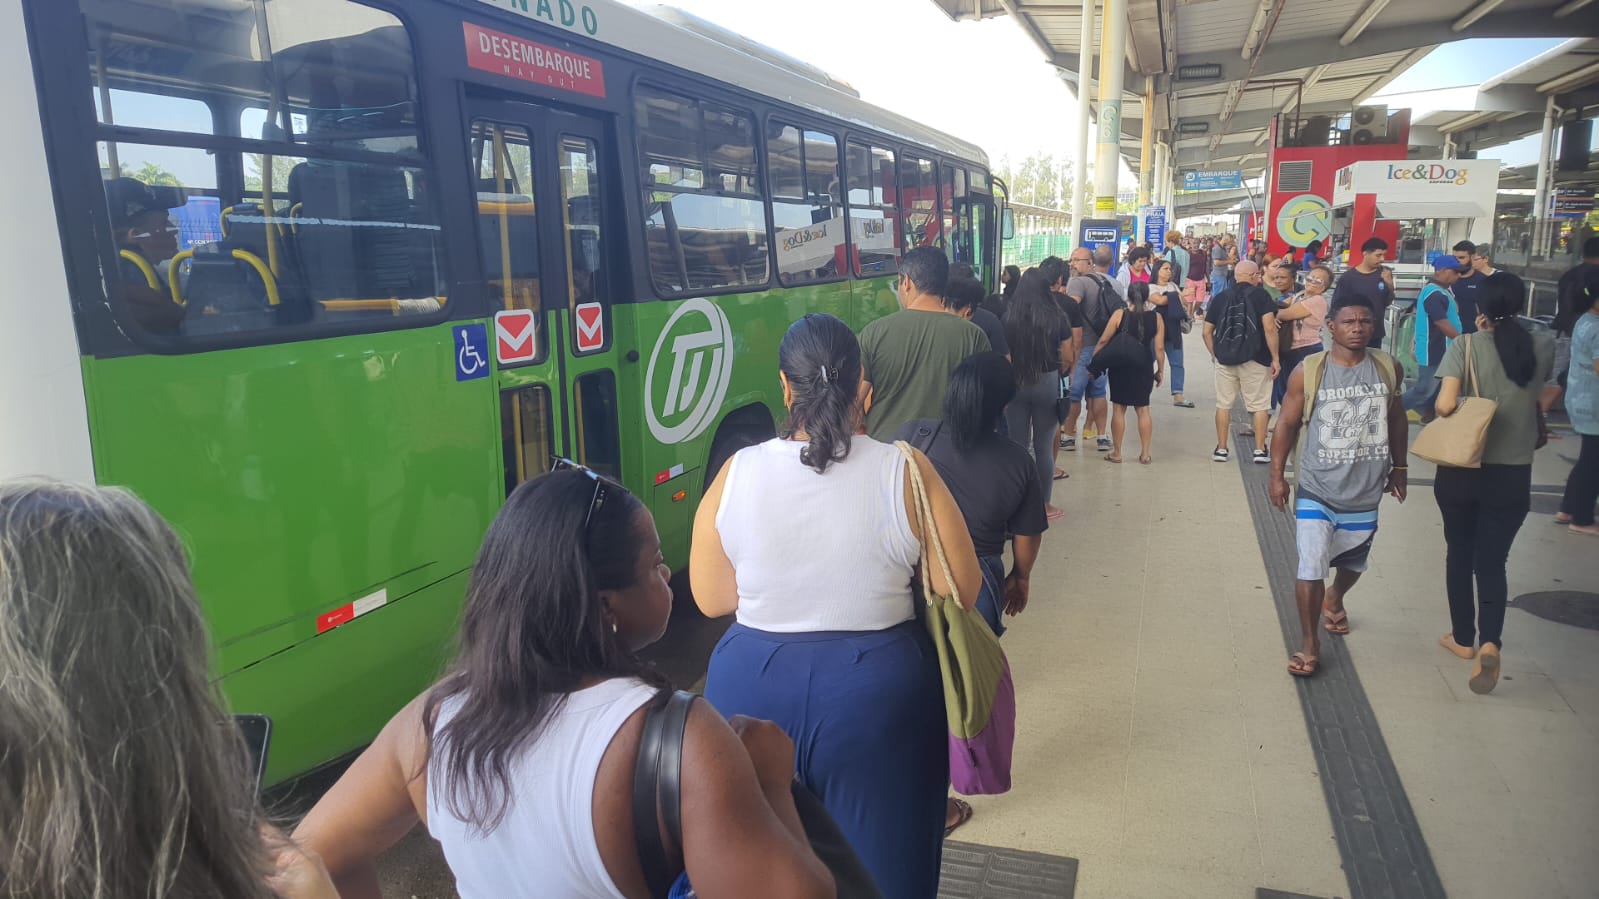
130 198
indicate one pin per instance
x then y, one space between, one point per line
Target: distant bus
324 280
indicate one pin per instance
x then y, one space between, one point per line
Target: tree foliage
1039 180
152 174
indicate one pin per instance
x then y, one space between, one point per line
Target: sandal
1061 475
1486 676
1112 458
1335 622
1301 665
963 813
1183 404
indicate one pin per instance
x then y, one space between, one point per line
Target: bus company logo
1433 173
701 346
564 13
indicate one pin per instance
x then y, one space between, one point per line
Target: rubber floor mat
984 872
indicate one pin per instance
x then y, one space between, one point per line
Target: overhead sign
1571 203
515 336
505 54
1221 180
1155 228
471 352
681 399
590 321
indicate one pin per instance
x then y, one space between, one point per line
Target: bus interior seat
354 239
247 230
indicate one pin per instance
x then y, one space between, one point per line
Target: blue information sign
1155 228
1228 180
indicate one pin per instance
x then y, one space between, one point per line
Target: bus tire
744 427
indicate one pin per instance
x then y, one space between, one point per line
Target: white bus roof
655 38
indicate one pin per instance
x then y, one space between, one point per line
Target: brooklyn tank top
818 552
545 845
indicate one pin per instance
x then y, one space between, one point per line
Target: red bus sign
504 54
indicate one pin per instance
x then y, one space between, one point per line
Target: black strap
657 790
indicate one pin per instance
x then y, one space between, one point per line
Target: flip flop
1335 622
1112 458
963 811
1056 515
1185 404
1146 460
1486 677
1061 475
1301 665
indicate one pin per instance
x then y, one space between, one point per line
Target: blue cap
1445 262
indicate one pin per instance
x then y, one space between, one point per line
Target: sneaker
1089 432
1261 457
1219 454
1069 444
1102 444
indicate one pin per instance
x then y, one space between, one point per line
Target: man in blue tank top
1354 452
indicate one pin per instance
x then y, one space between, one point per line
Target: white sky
985 82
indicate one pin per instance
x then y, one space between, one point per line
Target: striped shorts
1328 538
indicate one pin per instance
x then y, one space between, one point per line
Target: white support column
1081 203
1540 203
1112 61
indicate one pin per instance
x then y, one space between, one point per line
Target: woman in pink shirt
1306 313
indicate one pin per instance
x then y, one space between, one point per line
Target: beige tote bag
1457 440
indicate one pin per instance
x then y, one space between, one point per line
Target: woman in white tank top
810 540
520 760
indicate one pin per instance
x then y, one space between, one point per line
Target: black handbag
657 793
1122 350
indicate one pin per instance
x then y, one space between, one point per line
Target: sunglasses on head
602 485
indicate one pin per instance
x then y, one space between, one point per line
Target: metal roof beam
1243 124
1280 57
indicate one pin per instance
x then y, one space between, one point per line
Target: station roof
1233 65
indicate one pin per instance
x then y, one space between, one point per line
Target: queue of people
521 759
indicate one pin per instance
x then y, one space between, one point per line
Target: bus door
542 232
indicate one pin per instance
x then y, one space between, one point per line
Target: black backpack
1237 335
1097 314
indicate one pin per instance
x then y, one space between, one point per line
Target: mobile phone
257 731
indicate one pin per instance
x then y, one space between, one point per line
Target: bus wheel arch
744 426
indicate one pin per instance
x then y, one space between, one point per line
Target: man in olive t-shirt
908 356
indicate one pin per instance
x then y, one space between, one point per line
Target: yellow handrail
244 256
144 267
262 270
172 276
294 215
223 219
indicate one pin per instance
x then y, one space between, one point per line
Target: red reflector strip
351 610
662 477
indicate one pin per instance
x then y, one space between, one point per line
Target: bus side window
704 210
502 161
874 220
594 413
324 213
587 280
807 208
527 436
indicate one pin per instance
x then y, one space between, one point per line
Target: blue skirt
865 710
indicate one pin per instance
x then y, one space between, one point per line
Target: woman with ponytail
810 539
1483 508
1131 385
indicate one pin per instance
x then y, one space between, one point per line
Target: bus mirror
1007 223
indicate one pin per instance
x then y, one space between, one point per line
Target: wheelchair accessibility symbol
471 352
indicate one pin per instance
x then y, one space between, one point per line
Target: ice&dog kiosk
1422 208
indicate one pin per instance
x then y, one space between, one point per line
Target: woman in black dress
1131 385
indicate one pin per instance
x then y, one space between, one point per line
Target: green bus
323 280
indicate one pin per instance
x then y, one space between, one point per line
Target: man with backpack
1347 402
1241 334
1097 298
